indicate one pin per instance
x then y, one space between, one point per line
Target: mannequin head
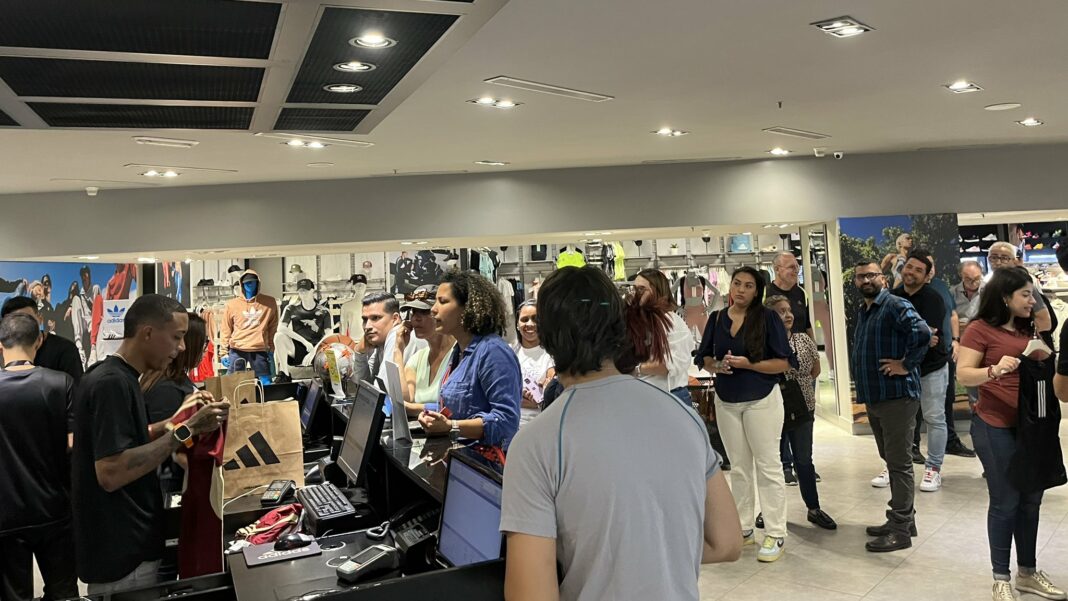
250 285
306 294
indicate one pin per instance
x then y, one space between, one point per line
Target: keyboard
325 506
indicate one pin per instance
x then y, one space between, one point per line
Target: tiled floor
949 559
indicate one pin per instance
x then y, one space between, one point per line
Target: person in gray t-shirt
616 480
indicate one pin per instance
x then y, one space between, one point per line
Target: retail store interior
318 158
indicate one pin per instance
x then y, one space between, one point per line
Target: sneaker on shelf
771 550
1039 584
917 456
748 538
759 523
989 238
932 480
882 480
972 249
790 477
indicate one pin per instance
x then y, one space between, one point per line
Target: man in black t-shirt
56 352
934 369
785 283
34 486
117 498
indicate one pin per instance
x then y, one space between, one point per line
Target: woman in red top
989 359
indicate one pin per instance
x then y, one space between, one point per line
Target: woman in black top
746 347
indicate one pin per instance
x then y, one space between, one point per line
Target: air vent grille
796 133
544 88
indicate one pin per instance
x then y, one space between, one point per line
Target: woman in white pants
746 347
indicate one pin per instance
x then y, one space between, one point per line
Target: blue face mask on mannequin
250 288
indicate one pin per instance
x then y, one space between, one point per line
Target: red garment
118 287
200 538
98 316
998 399
206 369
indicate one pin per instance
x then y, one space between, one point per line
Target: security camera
820 151
838 155
91 190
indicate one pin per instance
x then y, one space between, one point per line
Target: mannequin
296 273
250 323
304 324
352 310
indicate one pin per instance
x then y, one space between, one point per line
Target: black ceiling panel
143 117
108 79
6 120
194 27
319 119
415 34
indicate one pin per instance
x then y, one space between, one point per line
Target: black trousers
892 423
53 546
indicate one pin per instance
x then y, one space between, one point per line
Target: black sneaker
821 519
917 456
818 479
790 477
957 448
884 529
759 521
281 379
891 542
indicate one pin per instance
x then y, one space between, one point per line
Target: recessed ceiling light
963 87
355 67
589 234
667 132
165 173
327 141
342 88
492 163
406 243
315 145
779 152
188 261
420 243
1004 106
1030 122
170 173
320 165
295 143
146 259
498 103
372 39
842 27
166 142
88 258
157 170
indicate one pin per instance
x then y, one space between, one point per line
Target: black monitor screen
471 518
311 400
363 429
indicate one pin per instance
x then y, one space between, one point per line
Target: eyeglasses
866 277
1001 258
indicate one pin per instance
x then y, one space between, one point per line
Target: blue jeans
683 394
933 407
1011 514
259 361
800 440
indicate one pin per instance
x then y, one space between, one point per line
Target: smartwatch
183 434
454 432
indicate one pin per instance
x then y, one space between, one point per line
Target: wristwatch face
182 433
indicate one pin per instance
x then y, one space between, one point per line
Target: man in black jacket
56 352
35 509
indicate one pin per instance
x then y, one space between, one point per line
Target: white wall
533 202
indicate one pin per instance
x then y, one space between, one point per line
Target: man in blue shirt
889 344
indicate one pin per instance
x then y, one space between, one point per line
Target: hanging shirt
620 262
199 551
539 252
570 258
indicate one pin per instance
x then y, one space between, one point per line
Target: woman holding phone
425 370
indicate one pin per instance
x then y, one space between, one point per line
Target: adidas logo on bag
248 458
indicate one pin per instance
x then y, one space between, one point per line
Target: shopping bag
263 442
230 387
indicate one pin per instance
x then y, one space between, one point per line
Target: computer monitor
362 432
311 402
471 516
398 414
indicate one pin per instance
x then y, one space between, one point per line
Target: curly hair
483 306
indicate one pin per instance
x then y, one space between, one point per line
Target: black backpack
1038 463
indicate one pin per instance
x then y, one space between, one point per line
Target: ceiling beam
296 26
132 57
18 110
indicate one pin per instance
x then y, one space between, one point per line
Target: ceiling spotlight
146 259
354 67
842 27
492 163
315 145
1004 106
667 132
342 88
169 173
294 143
420 243
406 243
779 152
494 102
88 258
963 87
151 173
372 39
1030 122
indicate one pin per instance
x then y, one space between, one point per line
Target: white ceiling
717 68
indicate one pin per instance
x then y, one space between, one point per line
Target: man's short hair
19 331
150 310
777 261
865 263
392 304
922 256
969 263
84 271
17 303
1005 246
580 319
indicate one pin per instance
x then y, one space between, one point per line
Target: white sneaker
771 550
932 480
989 238
882 480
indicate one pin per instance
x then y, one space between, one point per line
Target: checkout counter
396 475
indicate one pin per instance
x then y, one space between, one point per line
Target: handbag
795 409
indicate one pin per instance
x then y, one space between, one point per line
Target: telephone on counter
413 530
372 561
280 491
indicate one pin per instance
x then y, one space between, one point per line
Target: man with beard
934 369
889 343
